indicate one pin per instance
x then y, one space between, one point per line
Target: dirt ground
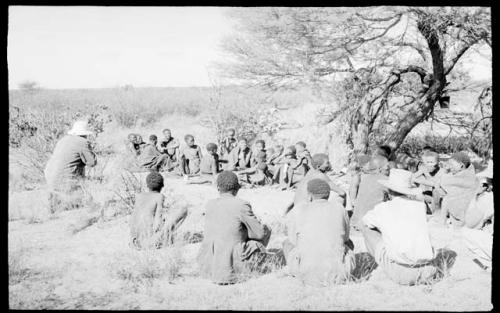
50 267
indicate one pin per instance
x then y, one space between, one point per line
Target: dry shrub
18 269
129 186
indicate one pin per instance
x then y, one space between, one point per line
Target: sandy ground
96 269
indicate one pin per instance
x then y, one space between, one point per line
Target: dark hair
187 137
165 130
152 137
261 141
429 148
301 143
319 188
227 181
384 151
211 147
318 160
293 149
154 181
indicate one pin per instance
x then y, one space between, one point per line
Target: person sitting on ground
479 218
259 159
458 188
239 158
209 166
135 144
289 160
274 160
228 143
368 192
170 146
150 225
150 157
320 165
259 146
396 233
428 176
318 248
259 177
302 165
234 239
190 157
65 169
355 168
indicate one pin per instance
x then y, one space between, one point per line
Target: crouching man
396 232
318 249
234 239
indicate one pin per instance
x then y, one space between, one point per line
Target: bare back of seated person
147 218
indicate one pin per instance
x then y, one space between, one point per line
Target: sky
100 47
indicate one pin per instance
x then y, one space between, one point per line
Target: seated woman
234 239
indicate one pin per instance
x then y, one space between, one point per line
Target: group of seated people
255 166
390 202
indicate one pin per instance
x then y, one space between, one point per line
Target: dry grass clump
18 268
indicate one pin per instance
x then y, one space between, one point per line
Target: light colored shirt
404 229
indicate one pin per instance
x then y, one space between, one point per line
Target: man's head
167 133
300 146
290 151
230 132
227 182
430 160
153 139
212 148
458 161
279 148
189 139
318 189
321 162
260 144
154 181
242 143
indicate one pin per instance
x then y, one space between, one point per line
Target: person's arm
88 156
256 230
248 158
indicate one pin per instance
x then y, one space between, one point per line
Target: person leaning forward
234 239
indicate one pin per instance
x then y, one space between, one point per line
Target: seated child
289 160
190 157
209 166
228 143
239 158
427 177
300 167
257 175
151 158
135 143
274 159
170 146
259 146
150 226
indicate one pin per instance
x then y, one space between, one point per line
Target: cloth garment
318 232
403 225
151 158
480 210
480 243
191 158
232 234
239 159
370 193
67 163
169 147
460 189
227 145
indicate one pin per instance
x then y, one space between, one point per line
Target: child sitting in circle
191 157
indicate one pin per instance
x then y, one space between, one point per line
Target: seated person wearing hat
458 188
234 239
396 232
318 249
479 218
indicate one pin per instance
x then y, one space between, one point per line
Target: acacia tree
387 66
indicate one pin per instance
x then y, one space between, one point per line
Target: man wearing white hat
396 232
67 163
478 230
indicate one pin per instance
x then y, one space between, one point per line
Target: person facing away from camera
239 158
396 232
65 169
428 175
151 157
234 238
228 143
318 249
320 166
190 157
365 189
170 146
151 226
